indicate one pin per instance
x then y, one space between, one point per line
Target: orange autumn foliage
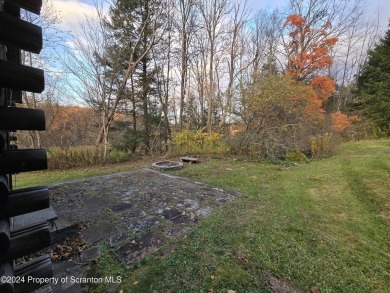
295 20
323 86
341 121
69 115
308 49
304 100
308 54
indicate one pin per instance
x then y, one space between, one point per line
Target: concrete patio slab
134 212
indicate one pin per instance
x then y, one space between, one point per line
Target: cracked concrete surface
135 212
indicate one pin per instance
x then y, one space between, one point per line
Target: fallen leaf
135 282
231 291
68 248
314 289
242 257
212 277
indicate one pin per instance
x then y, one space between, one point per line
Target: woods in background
265 82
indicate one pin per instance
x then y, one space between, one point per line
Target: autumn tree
308 48
321 23
66 126
308 56
280 114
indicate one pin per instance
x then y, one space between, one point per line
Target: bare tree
258 55
237 23
350 55
162 59
213 13
101 80
186 27
198 87
91 77
54 41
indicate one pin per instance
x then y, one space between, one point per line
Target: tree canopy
374 83
170 66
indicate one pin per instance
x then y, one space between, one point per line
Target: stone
118 238
132 252
99 231
90 254
190 160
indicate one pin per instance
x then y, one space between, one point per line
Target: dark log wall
17 35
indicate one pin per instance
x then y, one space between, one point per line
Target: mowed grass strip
324 224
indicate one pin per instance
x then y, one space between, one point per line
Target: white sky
73 11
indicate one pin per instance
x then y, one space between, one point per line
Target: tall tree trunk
166 102
145 106
183 74
210 88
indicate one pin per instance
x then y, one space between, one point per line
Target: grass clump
296 156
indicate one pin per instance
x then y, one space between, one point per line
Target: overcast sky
73 11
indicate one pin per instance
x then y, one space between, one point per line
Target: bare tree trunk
183 66
186 11
134 104
239 18
211 91
213 13
166 101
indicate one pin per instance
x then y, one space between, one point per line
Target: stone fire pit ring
167 165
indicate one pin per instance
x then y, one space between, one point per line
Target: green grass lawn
23 180
325 223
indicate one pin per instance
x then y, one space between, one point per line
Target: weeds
71 157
